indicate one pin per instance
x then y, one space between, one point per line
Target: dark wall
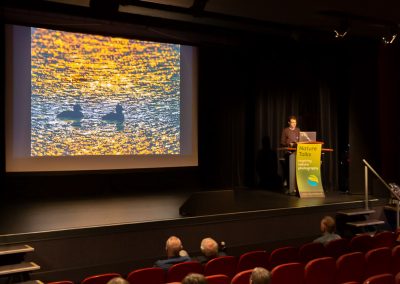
373 128
389 102
363 114
75 184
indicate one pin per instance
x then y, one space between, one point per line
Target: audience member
209 248
328 227
118 280
260 276
194 278
175 253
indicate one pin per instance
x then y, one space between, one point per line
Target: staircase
360 219
13 265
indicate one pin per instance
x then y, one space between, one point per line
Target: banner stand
308 169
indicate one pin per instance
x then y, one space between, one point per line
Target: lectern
305 168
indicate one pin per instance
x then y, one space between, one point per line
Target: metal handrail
368 166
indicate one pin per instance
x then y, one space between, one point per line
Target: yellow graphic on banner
308 170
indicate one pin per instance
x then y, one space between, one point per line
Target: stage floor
18 217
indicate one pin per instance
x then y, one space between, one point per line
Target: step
370 222
18 268
355 212
391 207
13 249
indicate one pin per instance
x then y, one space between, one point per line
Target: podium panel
308 170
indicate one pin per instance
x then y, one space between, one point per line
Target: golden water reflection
98 73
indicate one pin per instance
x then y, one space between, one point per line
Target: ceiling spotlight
342 30
340 34
389 39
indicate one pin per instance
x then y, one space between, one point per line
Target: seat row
353 266
280 276
231 265
312 273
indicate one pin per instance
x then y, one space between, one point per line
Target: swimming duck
116 116
75 114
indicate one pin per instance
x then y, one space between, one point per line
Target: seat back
178 271
292 273
378 261
350 267
320 270
61 282
384 239
150 275
100 278
217 279
242 277
253 259
283 255
386 278
337 248
362 243
221 265
311 251
396 259
397 278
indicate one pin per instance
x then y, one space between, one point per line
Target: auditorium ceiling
360 18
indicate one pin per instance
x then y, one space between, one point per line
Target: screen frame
25 163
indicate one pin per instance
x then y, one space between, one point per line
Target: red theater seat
384 239
283 255
311 251
217 279
221 265
386 278
253 259
397 278
320 270
362 243
350 267
292 273
100 278
178 271
378 261
242 277
337 248
396 259
150 275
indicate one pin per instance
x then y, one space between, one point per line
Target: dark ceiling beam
176 24
101 6
198 7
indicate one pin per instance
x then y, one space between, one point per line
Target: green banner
308 170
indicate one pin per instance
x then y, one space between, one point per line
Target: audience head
173 246
260 276
328 225
194 278
209 247
118 280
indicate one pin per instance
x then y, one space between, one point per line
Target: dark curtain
248 93
305 82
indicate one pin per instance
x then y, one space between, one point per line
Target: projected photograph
98 95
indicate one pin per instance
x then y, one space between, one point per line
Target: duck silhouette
116 116
74 114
